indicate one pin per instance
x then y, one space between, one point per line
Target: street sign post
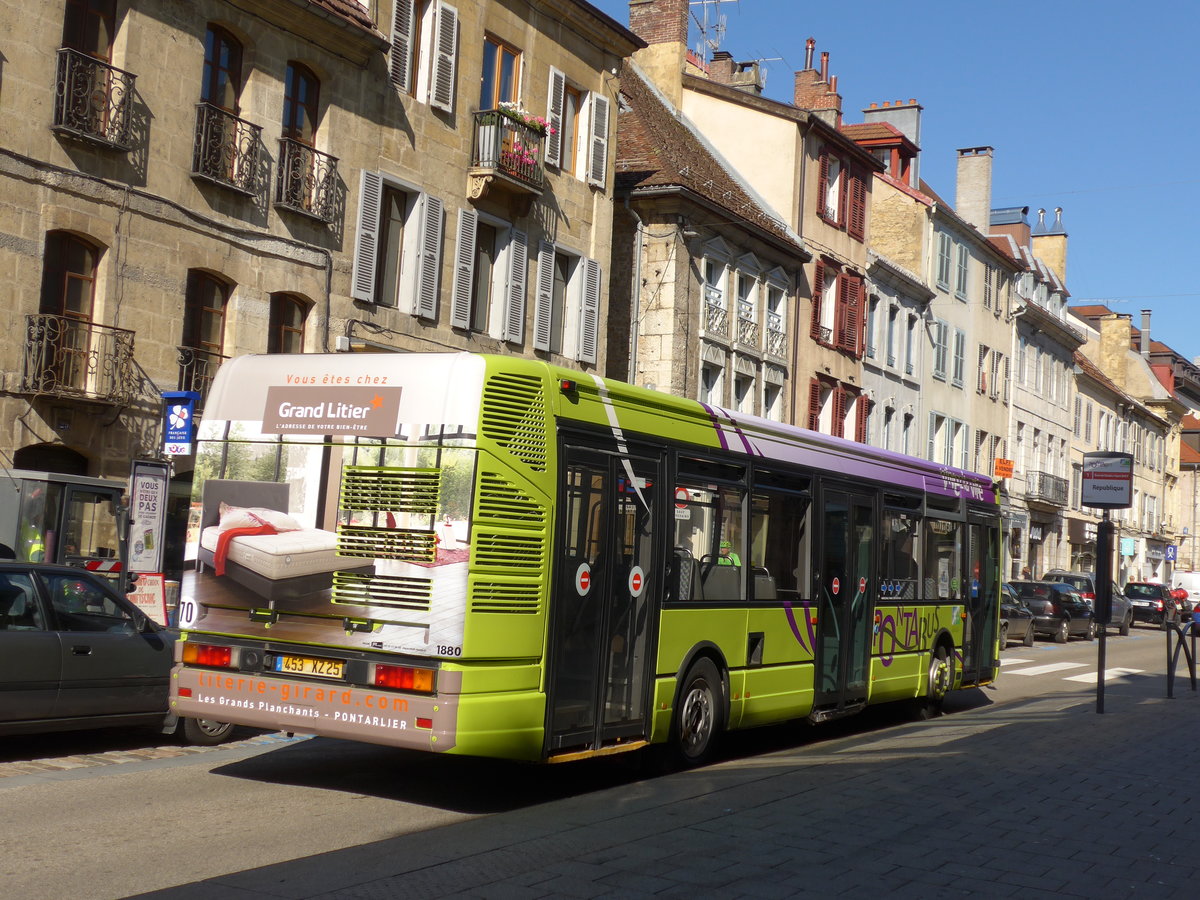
1107 484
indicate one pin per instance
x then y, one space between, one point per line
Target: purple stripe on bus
791 617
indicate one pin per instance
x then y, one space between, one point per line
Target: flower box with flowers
514 111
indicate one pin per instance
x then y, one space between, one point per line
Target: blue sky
1089 104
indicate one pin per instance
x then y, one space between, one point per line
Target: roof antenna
712 34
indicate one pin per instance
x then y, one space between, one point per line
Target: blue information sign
179 427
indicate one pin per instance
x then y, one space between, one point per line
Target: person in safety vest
728 557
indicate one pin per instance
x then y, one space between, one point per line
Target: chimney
813 90
905 118
1145 335
745 76
1049 243
663 25
1115 334
973 189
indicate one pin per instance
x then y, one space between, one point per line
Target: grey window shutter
518 259
598 158
543 309
464 269
429 265
400 64
444 58
554 109
590 325
366 241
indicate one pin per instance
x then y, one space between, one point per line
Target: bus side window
779 536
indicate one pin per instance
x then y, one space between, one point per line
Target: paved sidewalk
1031 799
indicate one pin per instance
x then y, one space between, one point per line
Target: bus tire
941 679
699 716
206 732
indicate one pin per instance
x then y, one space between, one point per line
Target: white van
1190 582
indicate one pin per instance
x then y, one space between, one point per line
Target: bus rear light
424 723
208 655
404 678
185 692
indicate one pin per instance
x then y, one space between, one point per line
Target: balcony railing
776 342
228 150
1046 487
716 319
74 358
307 181
509 147
197 369
93 100
748 331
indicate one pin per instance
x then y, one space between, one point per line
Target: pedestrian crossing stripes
1109 675
1047 668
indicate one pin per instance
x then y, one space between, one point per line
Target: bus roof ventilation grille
386 543
509 551
514 416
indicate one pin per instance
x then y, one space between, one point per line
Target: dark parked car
1016 619
75 654
1153 603
1059 610
1085 583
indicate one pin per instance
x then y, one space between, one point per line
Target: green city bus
494 556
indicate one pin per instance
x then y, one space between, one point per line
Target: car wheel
1029 635
1126 625
206 732
1064 632
1003 635
699 715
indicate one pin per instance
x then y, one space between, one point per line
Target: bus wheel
941 679
206 731
699 715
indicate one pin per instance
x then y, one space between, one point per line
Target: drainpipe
635 296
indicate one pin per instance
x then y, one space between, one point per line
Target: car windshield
1079 582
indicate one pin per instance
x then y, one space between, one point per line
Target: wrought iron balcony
197 369
716 319
1047 488
307 181
511 149
776 342
228 150
93 100
75 358
748 331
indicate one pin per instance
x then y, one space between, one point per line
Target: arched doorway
51 458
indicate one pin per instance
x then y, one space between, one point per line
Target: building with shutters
185 182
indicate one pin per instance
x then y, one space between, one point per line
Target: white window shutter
598 155
554 114
589 330
445 37
429 265
518 260
400 64
543 309
464 269
366 241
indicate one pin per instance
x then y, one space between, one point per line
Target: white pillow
253 517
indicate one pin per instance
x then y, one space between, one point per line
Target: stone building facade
185 182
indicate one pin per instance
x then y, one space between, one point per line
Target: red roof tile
656 149
350 10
